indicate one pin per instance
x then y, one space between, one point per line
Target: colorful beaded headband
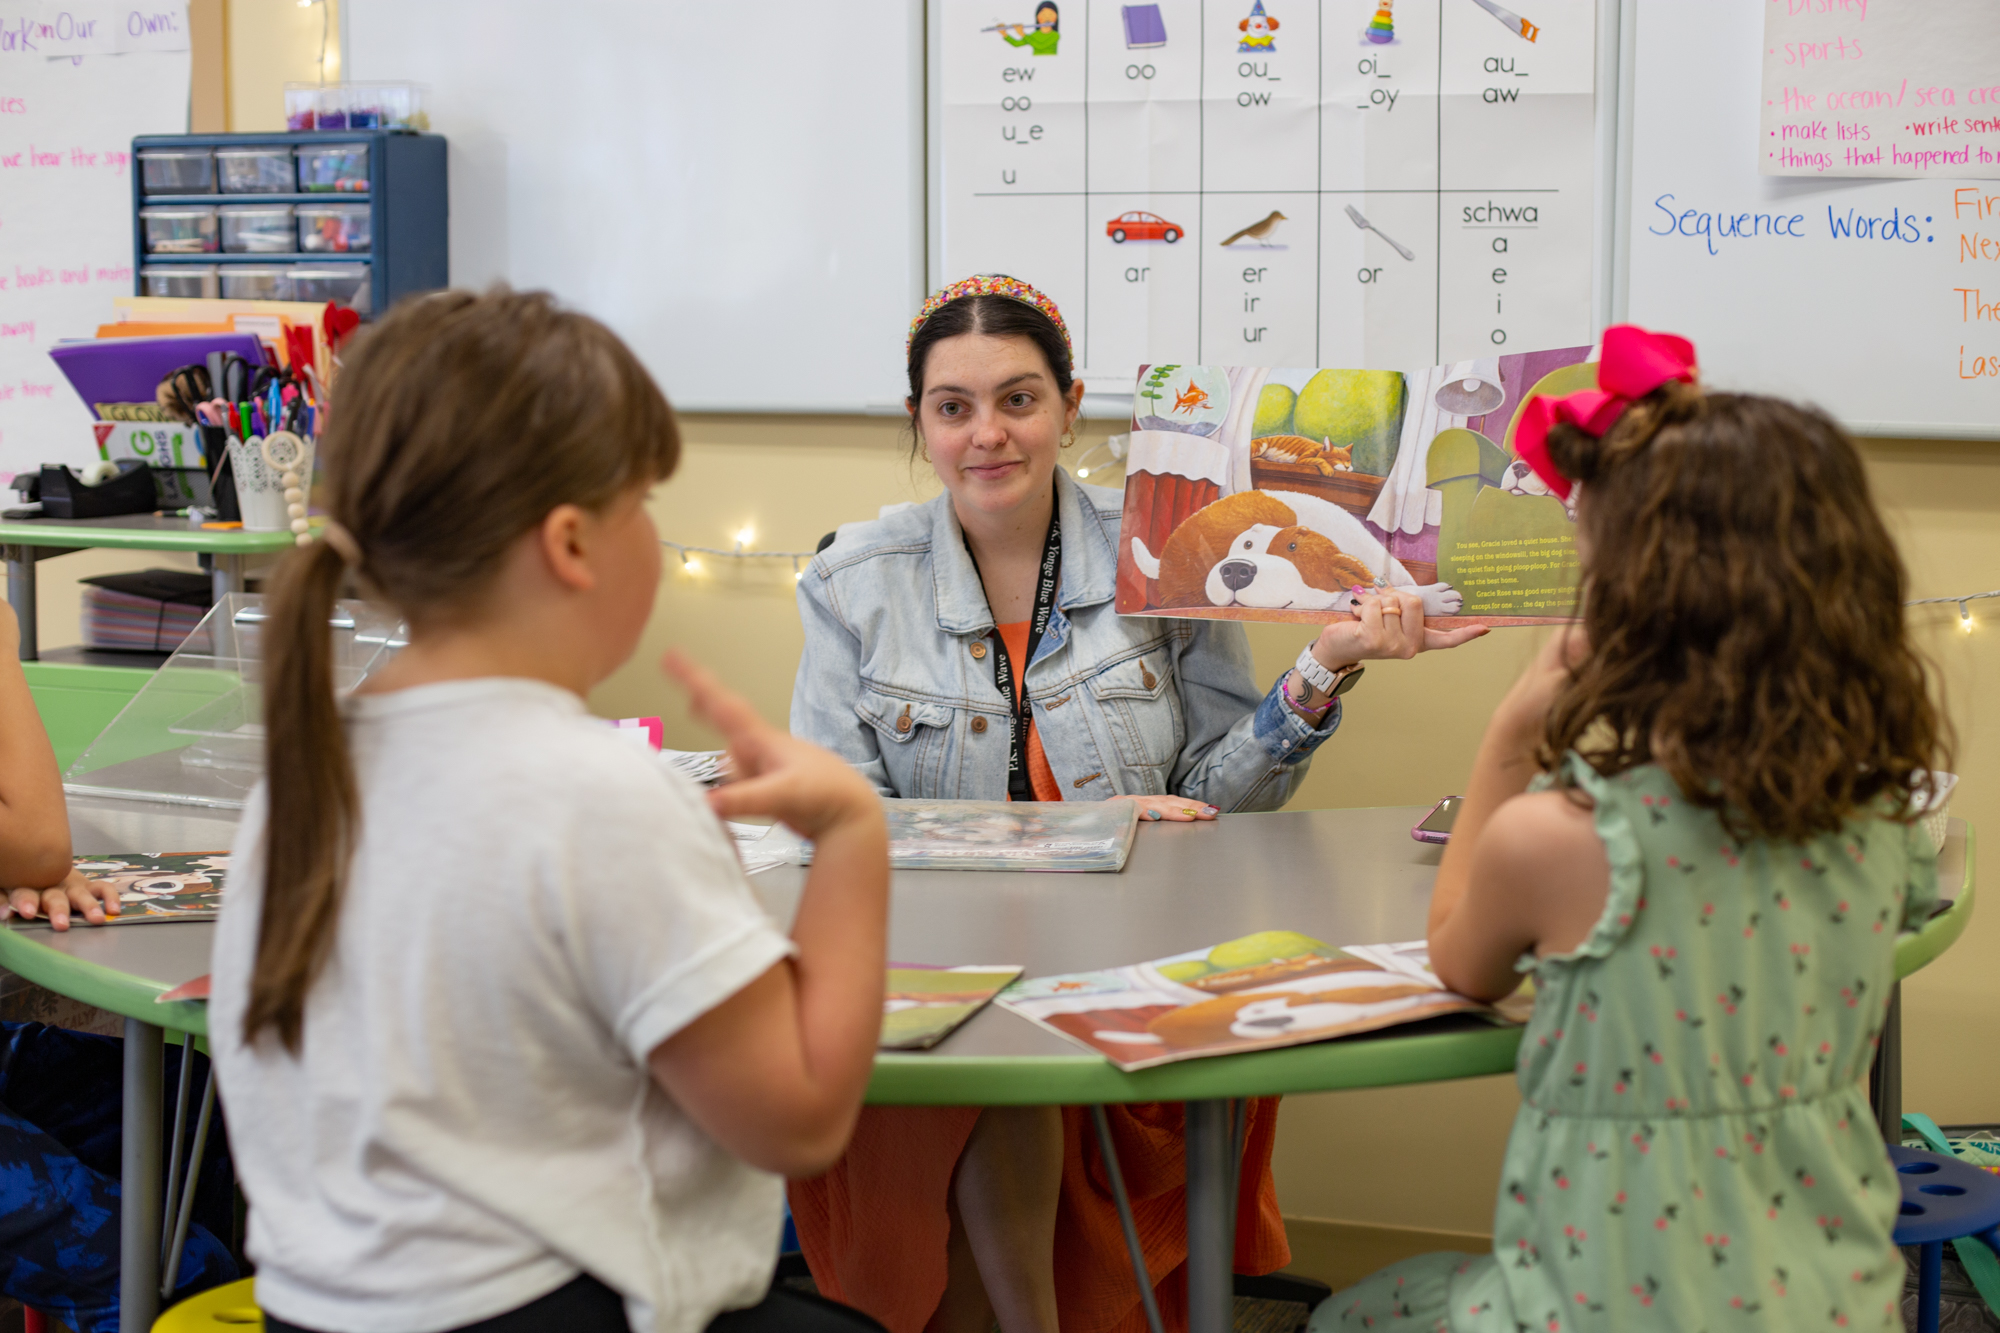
990 284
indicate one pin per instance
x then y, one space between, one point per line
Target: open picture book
1272 989
155 886
1254 493
993 835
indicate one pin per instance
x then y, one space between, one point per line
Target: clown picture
1257 30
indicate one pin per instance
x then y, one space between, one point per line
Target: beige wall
271 43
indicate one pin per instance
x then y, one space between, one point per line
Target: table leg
1885 1075
21 596
1211 1217
139 1178
227 576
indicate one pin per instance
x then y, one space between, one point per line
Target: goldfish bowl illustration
1191 399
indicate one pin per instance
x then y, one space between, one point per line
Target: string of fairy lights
1115 446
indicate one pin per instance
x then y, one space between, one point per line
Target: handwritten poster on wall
1881 88
77 81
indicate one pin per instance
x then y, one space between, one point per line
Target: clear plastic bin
403 107
334 167
302 107
343 284
187 229
334 229
265 170
332 107
177 170
258 229
256 282
186 280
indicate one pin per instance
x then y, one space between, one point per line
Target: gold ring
1188 813
1390 608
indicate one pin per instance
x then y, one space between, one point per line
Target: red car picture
1142 227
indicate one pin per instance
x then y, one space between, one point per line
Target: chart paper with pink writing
73 92
1881 88
1378 183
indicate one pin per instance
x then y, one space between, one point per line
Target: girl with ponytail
504 1038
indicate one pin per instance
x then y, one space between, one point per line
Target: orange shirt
1040 779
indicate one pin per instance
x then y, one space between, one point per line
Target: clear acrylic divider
194 734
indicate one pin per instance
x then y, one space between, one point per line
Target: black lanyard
1020 716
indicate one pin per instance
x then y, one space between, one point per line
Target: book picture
924 1005
1278 494
1002 835
1275 988
158 886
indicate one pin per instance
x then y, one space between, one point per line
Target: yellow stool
232 1306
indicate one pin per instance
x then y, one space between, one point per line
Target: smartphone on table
1436 826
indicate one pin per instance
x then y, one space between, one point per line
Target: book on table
155 886
923 1005
1273 989
996 835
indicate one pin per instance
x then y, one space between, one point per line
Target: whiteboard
1872 330
66 128
737 194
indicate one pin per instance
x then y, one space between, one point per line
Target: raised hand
777 775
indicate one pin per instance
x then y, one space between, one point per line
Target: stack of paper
701 766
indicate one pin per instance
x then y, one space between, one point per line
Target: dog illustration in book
1520 479
1310 1004
1277 550
153 891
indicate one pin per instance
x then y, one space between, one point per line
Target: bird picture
1261 230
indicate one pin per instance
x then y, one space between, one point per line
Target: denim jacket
1123 705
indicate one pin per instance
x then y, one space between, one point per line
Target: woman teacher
969 649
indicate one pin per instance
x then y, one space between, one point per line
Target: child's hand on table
93 898
810 790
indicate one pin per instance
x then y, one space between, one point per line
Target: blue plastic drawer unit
358 216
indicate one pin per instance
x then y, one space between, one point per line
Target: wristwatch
1332 683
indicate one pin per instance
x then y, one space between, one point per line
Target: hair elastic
990 284
1634 363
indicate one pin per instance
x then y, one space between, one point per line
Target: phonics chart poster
1379 183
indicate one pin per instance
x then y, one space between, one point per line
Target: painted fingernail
1211 810
1152 814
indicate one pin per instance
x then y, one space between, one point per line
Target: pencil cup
260 492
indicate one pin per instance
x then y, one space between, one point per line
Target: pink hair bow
1634 364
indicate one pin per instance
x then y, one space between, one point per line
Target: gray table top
1342 876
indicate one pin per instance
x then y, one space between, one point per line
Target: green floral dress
1694 1151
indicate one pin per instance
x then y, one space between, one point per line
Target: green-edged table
28 540
1344 876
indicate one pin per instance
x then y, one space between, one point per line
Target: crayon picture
1261 494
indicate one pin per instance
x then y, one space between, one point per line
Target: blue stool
1943 1199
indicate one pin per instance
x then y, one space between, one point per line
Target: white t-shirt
533 907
